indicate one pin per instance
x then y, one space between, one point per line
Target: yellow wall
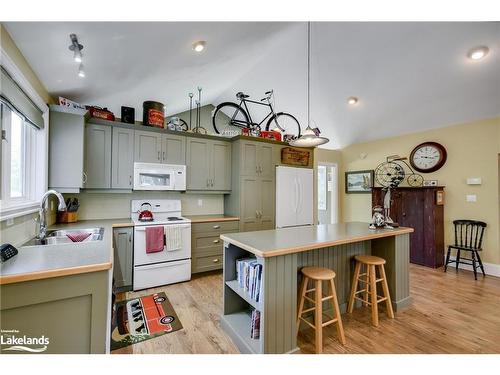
17 57
472 152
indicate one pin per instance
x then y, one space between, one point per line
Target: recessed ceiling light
199 46
352 100
477 53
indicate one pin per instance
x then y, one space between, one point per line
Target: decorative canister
153 114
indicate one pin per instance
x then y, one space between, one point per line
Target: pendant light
309 137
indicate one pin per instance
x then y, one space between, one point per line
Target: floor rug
141 319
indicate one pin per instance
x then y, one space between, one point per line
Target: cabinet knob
216 260
216 226
216 241
84 178
130 180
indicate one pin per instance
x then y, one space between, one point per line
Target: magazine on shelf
249 277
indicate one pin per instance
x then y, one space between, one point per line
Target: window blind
14 97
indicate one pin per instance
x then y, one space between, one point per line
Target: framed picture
359 182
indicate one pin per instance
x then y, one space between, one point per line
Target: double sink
62 236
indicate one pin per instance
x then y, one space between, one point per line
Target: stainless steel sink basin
60 236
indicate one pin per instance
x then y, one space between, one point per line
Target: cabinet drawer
202 242
207 263
215 227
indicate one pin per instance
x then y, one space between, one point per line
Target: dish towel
173 237
155 239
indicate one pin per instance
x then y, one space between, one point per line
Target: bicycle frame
250 123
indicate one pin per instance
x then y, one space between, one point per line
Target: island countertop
269 243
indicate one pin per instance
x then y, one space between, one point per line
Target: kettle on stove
146 214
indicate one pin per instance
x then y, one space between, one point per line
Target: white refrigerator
294 197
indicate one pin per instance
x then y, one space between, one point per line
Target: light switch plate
471 198
474 181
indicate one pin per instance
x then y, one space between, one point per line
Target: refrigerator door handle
299 188
296 193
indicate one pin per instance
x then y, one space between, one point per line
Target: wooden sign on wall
294 156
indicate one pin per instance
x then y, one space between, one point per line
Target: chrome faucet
42 233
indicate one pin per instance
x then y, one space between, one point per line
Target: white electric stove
166 266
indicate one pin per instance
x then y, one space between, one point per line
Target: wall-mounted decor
431 183
428 157
359 181
391 173
294 156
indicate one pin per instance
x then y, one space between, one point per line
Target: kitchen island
282 253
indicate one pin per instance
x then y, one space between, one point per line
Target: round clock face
428 157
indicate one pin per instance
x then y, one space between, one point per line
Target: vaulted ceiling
408 76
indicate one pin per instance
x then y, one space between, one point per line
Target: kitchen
195 219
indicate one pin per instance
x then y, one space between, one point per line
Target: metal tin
153 114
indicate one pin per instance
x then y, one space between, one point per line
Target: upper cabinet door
147 147
249 163
122 165
197 164
221 165
97 157
173 149
265 160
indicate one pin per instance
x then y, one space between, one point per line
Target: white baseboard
489 268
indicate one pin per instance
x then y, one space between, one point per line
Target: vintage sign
294 156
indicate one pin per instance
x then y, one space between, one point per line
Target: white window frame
37 152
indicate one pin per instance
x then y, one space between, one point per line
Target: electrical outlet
200 202
9 222
471 198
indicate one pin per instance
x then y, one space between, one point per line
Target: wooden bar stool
318 275
370 297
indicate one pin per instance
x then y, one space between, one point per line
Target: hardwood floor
451 313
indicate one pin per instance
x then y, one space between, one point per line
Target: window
18 143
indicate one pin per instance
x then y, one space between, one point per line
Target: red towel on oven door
155 239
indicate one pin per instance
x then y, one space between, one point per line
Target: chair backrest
469 233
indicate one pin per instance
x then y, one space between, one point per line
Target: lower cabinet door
123 252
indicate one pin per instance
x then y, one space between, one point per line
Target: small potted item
378 220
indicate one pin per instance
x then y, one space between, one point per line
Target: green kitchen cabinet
208 165
123 247
122 160
257 159
173 149
257 203
147 147
72 312
97 166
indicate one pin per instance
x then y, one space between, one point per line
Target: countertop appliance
156 176
169 265
294 197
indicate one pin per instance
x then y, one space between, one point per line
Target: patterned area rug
141 319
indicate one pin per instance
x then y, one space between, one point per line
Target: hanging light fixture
76 48
309 138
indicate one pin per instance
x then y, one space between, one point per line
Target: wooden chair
468 237
370 297
318 275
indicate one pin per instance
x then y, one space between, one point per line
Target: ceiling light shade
309 139
477 53
352 100
199 46
81 72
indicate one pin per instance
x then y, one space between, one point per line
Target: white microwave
156 176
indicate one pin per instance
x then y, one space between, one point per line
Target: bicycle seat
240 95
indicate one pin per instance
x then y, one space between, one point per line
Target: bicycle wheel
229 118
284 123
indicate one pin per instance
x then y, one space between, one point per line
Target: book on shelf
255 325
249 277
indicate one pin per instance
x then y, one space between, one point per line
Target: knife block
67 217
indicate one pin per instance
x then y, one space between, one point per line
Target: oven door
143 258
153 177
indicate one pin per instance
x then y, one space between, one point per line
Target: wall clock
428 157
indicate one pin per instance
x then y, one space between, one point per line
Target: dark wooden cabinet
417 208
